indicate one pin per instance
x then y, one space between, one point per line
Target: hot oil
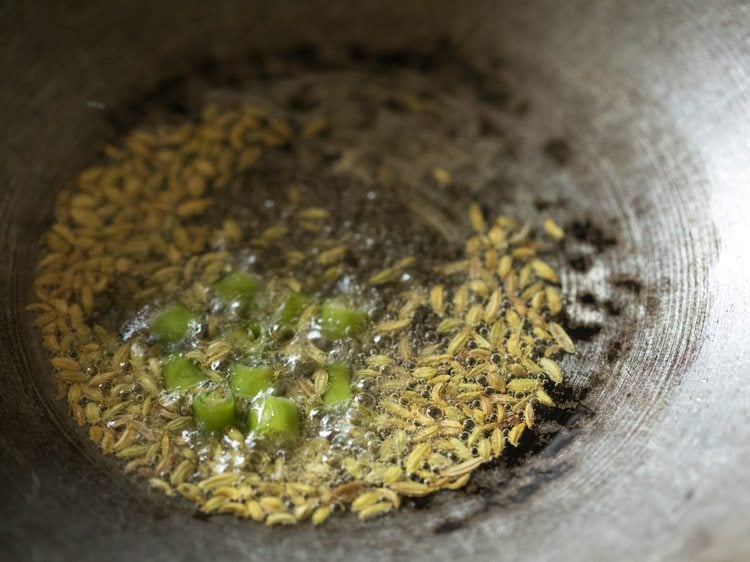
378 230
380 163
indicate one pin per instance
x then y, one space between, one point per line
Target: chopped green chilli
181 374
338 321
293 306
274 416
237 285
339 386
174 323
214 409
248 382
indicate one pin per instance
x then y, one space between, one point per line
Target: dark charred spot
305 53
207 67
614 350
558 150
587 298
523 108
357 52
494 93
580 262
167 97
419 503
561 440
488 128
583 332
611 308
201 516
396 57
472 488
652 304
302 99
449 526
395 104
422 61
586 231
580 331
629 284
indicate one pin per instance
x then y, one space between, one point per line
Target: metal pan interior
605 115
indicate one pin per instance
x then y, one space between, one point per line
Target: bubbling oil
346 430
458 353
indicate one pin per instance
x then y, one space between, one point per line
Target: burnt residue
516 488
587 298
580 262
501 186
558 204
488 128
303 98
558 150
305 53
588 232
512 479
424 61
167 99
522 108
449 526
652 303
630 284
491 89
580 331
201 516
586 241
358 53
180 94
488 85
405 58
207 66
395 104
560 440
257 61
570 411
219 73
614 350
611 308
419 503
536 479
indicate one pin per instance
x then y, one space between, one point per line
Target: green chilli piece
338 321
181 374
238 285
274 416
288 314
214 409
173 324
339 387
248 382
292 308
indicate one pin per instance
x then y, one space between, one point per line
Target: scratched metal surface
628 120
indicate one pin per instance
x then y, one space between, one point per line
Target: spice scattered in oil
445 362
